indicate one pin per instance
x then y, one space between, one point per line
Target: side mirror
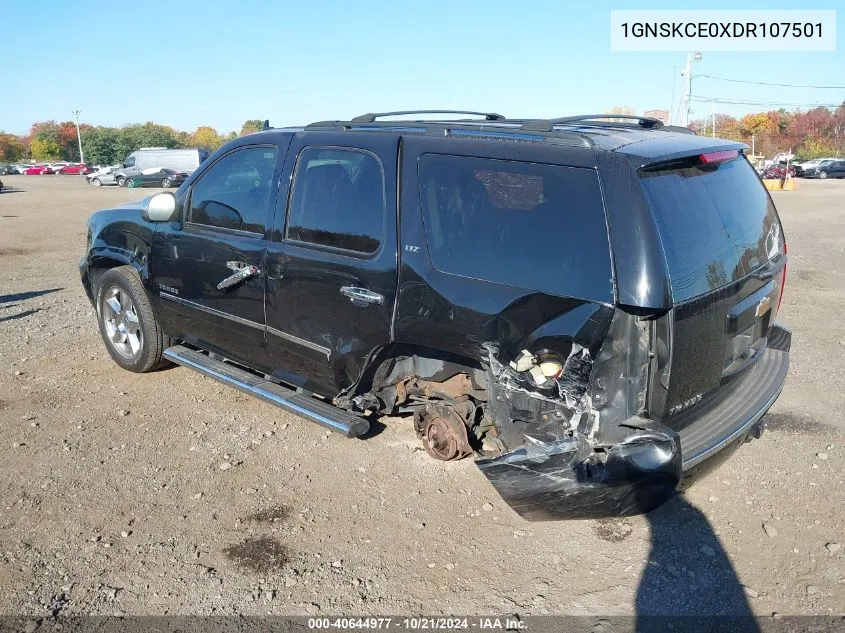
159 207
222 215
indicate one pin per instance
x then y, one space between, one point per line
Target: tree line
819 132
51 141
816 133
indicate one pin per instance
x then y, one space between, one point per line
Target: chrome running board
315 410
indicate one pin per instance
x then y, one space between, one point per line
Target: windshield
716 223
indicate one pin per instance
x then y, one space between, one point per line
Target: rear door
726 257
332 268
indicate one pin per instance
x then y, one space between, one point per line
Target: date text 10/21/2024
418 623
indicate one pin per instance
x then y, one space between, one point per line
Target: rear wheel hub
445 436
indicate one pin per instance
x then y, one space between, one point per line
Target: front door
331 268
209 269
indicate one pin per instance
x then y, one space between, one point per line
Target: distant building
661 115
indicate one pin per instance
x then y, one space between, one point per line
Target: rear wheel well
446 393
399 361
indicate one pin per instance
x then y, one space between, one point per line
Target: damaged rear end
588 448
690 357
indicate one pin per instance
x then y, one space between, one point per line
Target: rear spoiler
662 148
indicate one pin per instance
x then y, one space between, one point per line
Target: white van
185 160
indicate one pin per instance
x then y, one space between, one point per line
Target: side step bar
308 407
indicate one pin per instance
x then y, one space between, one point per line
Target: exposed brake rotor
444 435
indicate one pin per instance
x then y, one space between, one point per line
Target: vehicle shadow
376 427
689 579
19 315
22 296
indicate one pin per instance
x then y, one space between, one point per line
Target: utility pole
713 116
78 136
672 105
686 103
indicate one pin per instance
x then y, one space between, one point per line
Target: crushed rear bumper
568 479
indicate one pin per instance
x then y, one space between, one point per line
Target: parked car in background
778 171
827 169
800 168
8 170
36 170
157 177
19 169
57 167
103 176
79 168
183 160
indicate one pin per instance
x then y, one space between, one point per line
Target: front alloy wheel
123 329
128 325
822 174
165 182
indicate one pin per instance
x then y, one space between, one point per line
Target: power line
764 83
765 103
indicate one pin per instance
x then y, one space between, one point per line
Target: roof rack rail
547 125
370 117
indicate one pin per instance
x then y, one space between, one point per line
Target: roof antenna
265 125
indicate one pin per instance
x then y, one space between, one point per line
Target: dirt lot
114 497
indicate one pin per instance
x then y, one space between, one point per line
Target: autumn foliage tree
250 126
45 149
815 133
207 137
11 148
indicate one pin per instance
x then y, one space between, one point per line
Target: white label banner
723 30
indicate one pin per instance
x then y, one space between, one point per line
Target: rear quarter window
534 226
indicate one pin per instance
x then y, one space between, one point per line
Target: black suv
586 305
826 169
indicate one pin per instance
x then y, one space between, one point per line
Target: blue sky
190 63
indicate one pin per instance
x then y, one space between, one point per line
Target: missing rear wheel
444 433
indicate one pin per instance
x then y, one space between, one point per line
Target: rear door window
716 222
535 226
338 200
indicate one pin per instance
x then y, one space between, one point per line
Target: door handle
361 295
243 271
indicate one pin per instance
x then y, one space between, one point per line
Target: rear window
716 222
540 227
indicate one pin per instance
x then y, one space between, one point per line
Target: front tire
121 182
128 325
165 182
822 175
129 183
96 182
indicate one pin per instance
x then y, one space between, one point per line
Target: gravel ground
168 493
